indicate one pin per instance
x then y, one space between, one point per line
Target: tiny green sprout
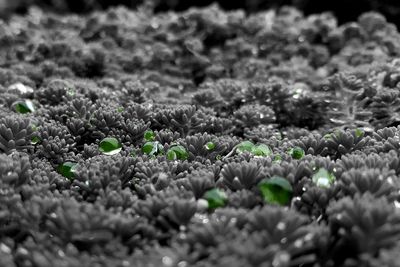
209 146
120 109
215 198
153 148
245 146
296 152
35 140
261 150
276 190
323 178
24 107
177 152
277 158
328 136
110 146
149 135
70 91
67 169
218 157
359 133
133 153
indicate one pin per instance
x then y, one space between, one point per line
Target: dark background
344 10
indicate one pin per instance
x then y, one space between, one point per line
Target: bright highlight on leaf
323 178
215 198
110 146
149 135
67 169
24 107
209 146
276 190
177 152
296 152
35 140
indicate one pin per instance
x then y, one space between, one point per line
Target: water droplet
167 261
24 107
23 251
281 259
298 243
281 226
182 236
61 253
23 89
202 205
67 169
110 146
202 218
5 248
308 237
283 240
182 264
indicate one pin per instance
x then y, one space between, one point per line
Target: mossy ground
205 76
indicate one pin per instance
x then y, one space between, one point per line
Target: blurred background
344 10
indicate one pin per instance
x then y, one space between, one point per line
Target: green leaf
296 152
215 198
67 169
277 158
24 107
152 148
180 152
245 146
149 135
120 109
276 190
110 146
35 140
261 150
209 146
323 178
359 133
